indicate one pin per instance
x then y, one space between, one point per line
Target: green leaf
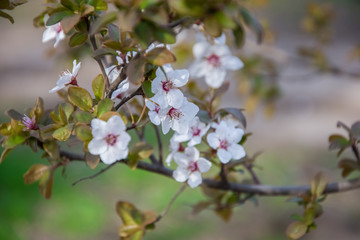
104 106
62 134
5 129
98 86
296 230
225 20
38 109
144 33
348 166
80 98
7 16
212 26
52 149
204 116
254 24
46 183
4 154
83 132
99 5
113 45
14 140
225 213
164 35
146 86
102 22
160 56
70 4
102 52
239 35
35 172
319 184
69 22
58 16
200 206
78 39
136 70
142 149
83 117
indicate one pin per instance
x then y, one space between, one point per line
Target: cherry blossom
197 130
212 62
225 140
67 78
118 93
178 119
154 113
112 72
165 86
124 58
110 140
190 167
53 31
175 147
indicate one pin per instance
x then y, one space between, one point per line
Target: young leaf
83 117
98 87
46 183
69 22
62 134
92 160
80 98
160 56
5 15
58 16
319 184
296 230
53 149
35 173
104 106
38 109
254 24
136 70
212 26
78 39
348 166
164 35
14 140
83 132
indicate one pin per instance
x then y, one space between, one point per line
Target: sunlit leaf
80 98
83 132
14 140
83 117
296 230
62 134
53 149
98 87
160 56
38 109
212 26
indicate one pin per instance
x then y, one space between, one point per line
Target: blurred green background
294 143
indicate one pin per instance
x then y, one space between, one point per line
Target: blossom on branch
190 167
122 87
225 140
67 78
212 62
197 130
154 113
53 31
165 86
110 139
112 73
175 147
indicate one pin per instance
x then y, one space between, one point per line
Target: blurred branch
264 190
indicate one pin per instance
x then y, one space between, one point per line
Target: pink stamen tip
193 167
213 60
111 139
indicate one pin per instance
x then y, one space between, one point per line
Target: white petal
156 84
204 165
161 99
199 68
175 98
124 85
224 156
98 128
232 63
182 137
55 89
165 126
154 117
64 79
181 160
237 151
169 159
76 68
220 50
179 77
115 125
48 34
97 146
123 140
110 156
181 174
215 77
213 140
194 179
192 153
221 39
200 49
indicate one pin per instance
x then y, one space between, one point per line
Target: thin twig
164 212
160 148
223 174
137 92
142 113
252 173
96 174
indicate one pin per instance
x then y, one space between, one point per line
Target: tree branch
94 45
137 92
263 190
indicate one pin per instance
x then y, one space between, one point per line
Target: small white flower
178 119
225 140
197 130
154 113
112 72
53 31
67 78
110 140
175 147
190 167
118 93
165 86
124 58
156 45
212 62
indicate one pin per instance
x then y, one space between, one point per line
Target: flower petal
224 156
97 146
179 77
213 140
195 179
237 151
215 77
181 174
115 125
232 63
200 49
175 98
204 165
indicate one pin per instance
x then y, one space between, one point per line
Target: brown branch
264 190
137 92
160 148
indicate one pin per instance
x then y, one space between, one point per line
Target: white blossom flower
53 31
112 72
156 45
67 78
110 140
225 140
212 62
124 58
178 119
154 113
165 86
197 130
175 147
122 87
190 167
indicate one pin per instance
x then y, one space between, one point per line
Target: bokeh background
294 142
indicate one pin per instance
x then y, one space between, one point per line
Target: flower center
174 113
181 148
214 60
73 81
193 167
58 28
224 144
111 139
195 131
167 86
157 109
